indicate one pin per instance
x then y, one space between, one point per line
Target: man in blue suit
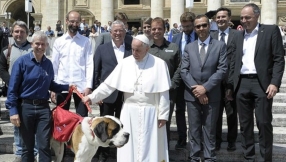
106 58
182 39
203 68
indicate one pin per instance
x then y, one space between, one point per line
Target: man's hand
198 90
86 99
87 91
53 97
15 120
203 99
271 91
162 123
228 94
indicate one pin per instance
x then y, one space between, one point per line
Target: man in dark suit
170 53
226 35
255 75
105 37
182 39
106 58
203 68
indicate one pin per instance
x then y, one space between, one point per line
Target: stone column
213 4
157 8
177 10
107 11
268 12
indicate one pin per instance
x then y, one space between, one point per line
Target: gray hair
22 24
39 34
254 7
116 22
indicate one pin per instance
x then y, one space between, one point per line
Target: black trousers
231 119
251 97
113 109
80 107
180 113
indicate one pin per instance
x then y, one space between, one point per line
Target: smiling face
222 20
73 22
39 45
157 30
202 28
118 33
248 19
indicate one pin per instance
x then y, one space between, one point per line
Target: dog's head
110 131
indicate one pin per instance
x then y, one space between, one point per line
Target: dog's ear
101 131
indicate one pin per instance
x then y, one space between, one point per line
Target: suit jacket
210 73
106 37
268 57
104 63
229 48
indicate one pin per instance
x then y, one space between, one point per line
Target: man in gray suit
226 35
105 37
203 68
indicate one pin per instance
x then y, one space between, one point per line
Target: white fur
89 144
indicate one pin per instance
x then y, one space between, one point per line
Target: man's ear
101 131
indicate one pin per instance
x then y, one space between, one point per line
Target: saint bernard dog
106 131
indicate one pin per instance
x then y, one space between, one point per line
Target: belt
35 102
249 76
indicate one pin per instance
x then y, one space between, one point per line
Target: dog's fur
104 131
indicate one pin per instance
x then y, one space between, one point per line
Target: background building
47 12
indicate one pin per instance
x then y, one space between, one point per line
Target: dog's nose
126 135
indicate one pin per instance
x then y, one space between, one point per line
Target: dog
106 131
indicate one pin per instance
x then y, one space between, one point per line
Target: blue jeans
18 143
35 120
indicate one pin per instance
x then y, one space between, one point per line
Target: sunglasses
202 25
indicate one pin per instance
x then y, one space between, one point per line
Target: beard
73 29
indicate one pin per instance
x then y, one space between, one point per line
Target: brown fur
76 137
111 126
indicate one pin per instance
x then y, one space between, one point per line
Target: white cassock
146 100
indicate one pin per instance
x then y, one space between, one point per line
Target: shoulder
105 46
173 46
177 36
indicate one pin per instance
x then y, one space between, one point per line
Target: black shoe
217 147
181 144
231 146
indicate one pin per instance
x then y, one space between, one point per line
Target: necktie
188 39
222 35
202 52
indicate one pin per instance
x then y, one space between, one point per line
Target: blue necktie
222 37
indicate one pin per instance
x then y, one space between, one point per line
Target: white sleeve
101 93
164 106
55 59
89 65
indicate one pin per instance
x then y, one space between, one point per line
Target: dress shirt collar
114 46
226 31
185 36
206 42
67 36
32 57
254 31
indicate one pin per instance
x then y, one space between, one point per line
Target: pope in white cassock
145 81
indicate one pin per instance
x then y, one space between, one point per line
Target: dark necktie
188 39
222 37
202 52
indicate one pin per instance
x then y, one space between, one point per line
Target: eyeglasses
145 27
201 25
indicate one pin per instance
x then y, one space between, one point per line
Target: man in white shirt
73 63
144 79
